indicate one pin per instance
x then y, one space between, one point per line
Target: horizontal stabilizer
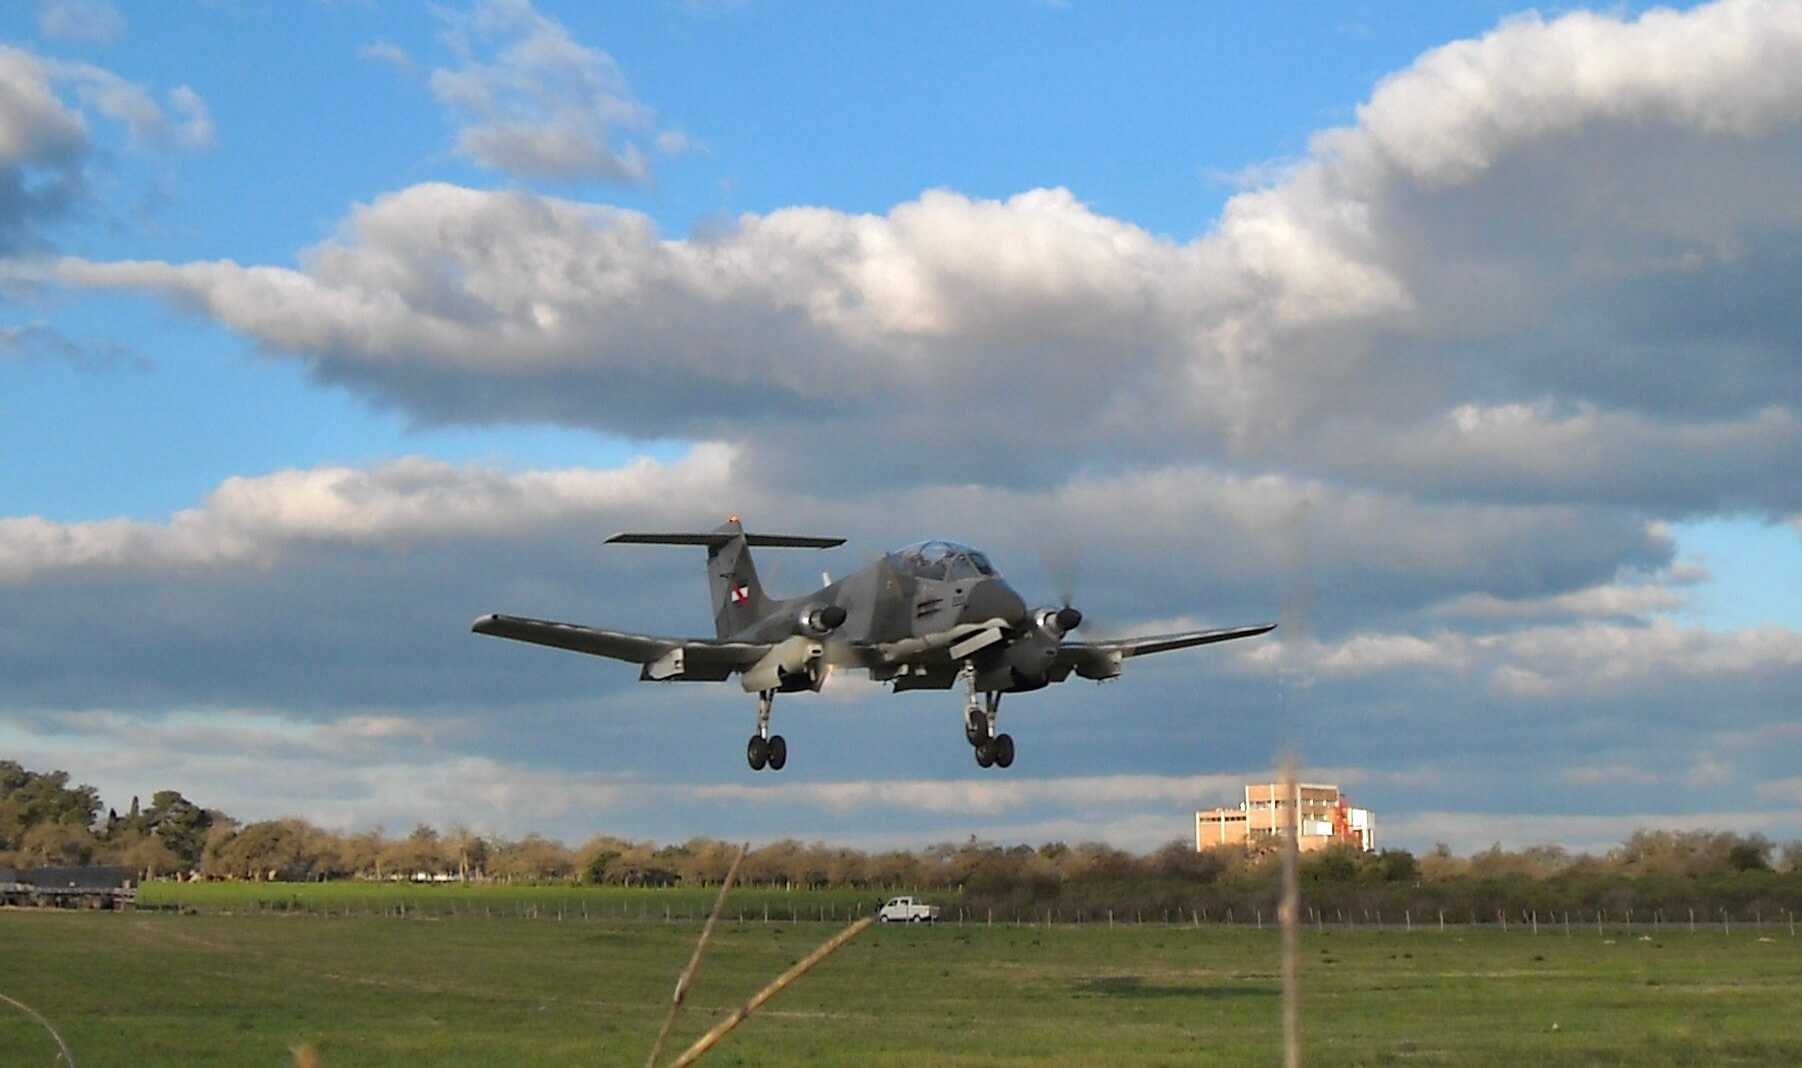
717 538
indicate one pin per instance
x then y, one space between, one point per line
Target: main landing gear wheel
1004 750
976 727
985 754
766 749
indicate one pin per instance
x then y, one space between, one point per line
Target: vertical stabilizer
738 597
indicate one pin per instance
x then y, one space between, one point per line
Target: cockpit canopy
942 561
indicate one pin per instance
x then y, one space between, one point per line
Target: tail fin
738 597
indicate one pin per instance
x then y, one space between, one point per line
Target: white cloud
251 520
387 52
133 105
981 796
1553 662
1618 600
1436 301
1470 831
543 106
1724 68
87 21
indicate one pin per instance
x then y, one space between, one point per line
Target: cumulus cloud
1461 360
44 145
1504 281
542 105
148 123
47 145
1566 660
251 519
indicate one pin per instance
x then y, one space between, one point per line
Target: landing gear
766 749
981 710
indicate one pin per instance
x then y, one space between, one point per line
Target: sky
1457 337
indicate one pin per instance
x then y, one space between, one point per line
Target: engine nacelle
792 665
819 620
1057 621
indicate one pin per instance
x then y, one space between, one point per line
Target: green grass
350 897
373 989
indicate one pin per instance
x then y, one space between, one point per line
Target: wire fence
581 909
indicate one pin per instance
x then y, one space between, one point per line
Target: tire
757 752
976 729
778 752
881 918
1004 750
985 755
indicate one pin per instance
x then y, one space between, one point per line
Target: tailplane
738 597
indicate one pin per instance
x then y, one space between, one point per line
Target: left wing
663 659
1102 660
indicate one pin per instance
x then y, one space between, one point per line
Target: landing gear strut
766 749
982 708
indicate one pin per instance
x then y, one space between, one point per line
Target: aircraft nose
992 599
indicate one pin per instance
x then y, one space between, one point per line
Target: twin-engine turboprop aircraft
923 618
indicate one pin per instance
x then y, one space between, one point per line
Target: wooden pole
694 960
1290 914
724 1027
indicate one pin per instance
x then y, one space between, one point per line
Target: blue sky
325 327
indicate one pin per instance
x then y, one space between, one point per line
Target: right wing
1102 660
663 659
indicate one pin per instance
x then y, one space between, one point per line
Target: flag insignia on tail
741 595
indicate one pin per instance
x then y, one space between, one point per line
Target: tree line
45 820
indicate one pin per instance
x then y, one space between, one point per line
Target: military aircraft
922 618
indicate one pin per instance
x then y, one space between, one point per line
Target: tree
1396 866
419 853
271 849
532 858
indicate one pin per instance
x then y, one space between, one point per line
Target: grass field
501 988
352 897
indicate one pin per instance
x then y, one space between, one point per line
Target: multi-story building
1324 818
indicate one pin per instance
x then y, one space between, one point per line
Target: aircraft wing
664 659
1102 660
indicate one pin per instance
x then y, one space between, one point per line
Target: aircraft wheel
778 752
1004 750
985 754
976 729
757 752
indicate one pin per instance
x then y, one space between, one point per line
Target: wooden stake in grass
694 960
724 1027
1290 913
68 1057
